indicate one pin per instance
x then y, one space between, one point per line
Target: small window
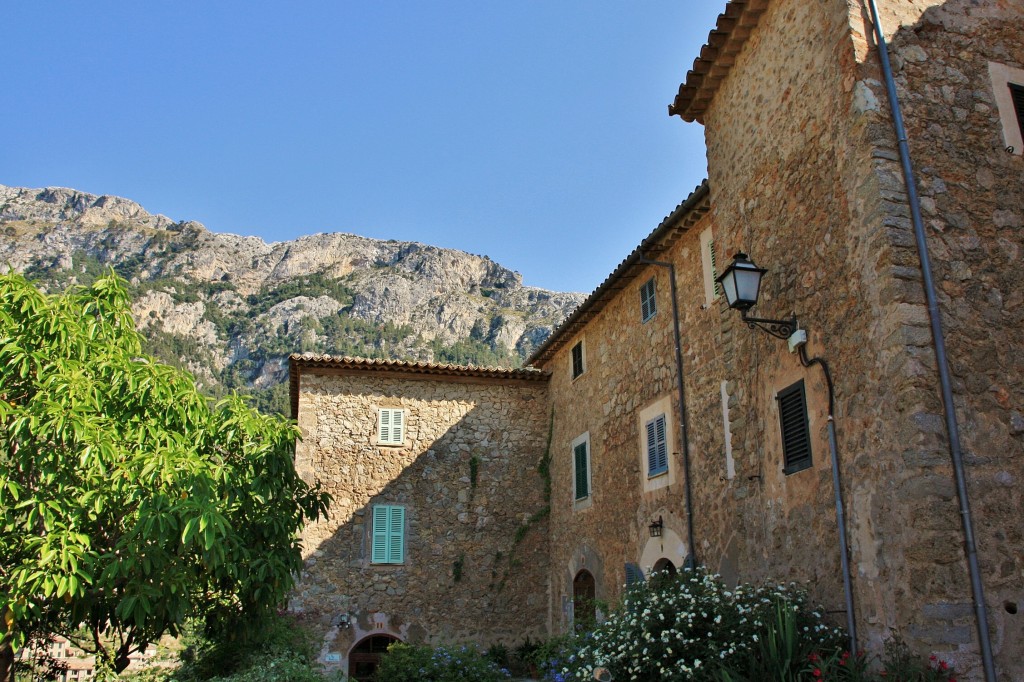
581 467
796 435
577 360
657 447
388 535
390 426
648 303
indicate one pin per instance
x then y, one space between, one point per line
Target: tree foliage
129 501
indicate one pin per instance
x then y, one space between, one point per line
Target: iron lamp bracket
780 329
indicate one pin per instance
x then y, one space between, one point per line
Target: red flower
943 665
813 658
817 672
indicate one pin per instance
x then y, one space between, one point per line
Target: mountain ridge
230 308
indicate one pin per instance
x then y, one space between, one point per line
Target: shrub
694 628
409 663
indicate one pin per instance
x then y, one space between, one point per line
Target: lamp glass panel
729 286
747 284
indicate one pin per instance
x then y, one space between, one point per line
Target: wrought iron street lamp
741 283
655 528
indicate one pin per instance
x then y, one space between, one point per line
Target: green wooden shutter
391 426
582 477
396 536
714 268
379 553
388 535
397 426
796 432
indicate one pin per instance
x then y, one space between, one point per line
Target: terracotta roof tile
716 58
329 364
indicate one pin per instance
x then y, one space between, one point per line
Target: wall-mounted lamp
741 283
342 620
656 527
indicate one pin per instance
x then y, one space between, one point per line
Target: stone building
438 531
723 458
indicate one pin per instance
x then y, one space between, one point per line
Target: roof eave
680 220
716 58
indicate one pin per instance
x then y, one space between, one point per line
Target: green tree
128 501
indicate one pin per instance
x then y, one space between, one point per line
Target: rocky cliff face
231 308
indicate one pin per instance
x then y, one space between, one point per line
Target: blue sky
534 132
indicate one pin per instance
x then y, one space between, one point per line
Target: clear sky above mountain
533 131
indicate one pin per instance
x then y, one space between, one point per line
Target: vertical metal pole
683 430
844 551
938 337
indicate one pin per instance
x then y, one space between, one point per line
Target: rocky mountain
230 308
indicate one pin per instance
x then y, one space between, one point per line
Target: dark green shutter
796 432
582 476
714 268
577 360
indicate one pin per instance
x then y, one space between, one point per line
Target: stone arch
584 599
364 656
664 565
669 545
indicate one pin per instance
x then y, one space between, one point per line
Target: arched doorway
584 604
665 567
365 656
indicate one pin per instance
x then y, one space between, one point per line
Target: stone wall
972 191
804 177
476 560
629 377
810 186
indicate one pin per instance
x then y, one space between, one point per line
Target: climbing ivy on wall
544 469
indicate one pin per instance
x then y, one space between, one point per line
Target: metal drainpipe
844 551
938 338
683 430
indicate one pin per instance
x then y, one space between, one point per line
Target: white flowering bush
693 628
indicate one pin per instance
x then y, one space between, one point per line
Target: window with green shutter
581 466
796 432
657 446
714 268
578 366
390 426
388 543
648 302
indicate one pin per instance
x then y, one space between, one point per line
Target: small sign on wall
332 658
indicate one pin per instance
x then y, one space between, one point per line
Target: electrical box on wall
797 339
